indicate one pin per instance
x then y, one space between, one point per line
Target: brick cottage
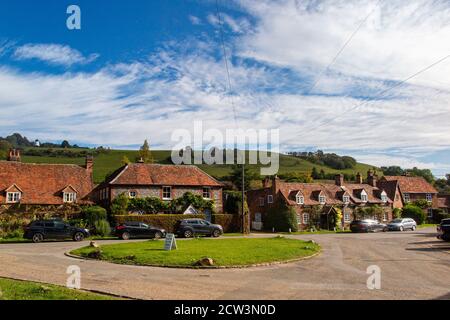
348 197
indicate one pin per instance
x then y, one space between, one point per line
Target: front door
208 215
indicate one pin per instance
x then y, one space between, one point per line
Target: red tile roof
157 174
412 184
43 183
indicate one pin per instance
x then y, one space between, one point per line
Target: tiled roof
389 186
157 174
412 184
44 183
332 192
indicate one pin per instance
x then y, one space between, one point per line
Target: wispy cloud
195 20
54 54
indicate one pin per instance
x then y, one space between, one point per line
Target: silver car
402 224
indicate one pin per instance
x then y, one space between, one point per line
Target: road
414 265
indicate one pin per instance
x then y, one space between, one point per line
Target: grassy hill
106 163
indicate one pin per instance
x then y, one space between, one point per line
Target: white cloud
55 54
195 20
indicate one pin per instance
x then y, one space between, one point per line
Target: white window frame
261 201
385 216
384 198
258 217
69 197
305 218
406 197
132 196
430 212
299 218
170 191
364 196
270 198
322 199
300 199
429 197
347 216
206 191
346 199
15 197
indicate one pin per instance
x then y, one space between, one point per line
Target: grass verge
225 252
27 290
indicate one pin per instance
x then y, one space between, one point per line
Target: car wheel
126 236
216 233
79 236
401 229
158 235
38 237
188 234
413 228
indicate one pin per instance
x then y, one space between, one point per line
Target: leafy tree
397 213
424 173
296 177
145 154
125 160
414 212
315 173
119 205
421 203
236 177
314 217
65 144
94 214
102 228
5 146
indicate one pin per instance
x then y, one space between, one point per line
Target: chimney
359 178
339 179
89 164
275 184
14 155
266 182
371 178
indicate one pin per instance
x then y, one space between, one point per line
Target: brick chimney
90 164
339 179
14 155
371 178
266 182
276 184
359 178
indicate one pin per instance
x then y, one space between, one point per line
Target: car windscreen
397 221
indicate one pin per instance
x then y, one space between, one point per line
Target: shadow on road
444 297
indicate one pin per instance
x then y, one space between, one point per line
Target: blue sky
141 69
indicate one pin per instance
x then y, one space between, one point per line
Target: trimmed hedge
164 221
229 222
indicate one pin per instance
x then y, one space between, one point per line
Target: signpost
170 243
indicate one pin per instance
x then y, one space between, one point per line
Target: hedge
229 222
164 221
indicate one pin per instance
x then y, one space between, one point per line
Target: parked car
190 227
367 225
41 230
131 229
443 230
402 224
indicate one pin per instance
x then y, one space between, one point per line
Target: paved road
414 265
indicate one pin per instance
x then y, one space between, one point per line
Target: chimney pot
359 178
339 179
14 155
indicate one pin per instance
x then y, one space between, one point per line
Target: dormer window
384 197
300 199
322 199
69 197
346 199
364 197
13 197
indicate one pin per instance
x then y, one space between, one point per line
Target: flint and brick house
44 184
444 202
348 197
406 189
167 182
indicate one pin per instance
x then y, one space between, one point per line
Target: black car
130 230
443 230
190 227
41 230
367 225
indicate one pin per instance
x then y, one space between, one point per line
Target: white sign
171 242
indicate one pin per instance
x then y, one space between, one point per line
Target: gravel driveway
414 265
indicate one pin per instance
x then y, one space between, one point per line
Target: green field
106 163
26 290
225 252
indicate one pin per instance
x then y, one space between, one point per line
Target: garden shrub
421 203
120 204
164 221
102 228
229 222
414 212
397 213
439 214
149 205
282 218
94 214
